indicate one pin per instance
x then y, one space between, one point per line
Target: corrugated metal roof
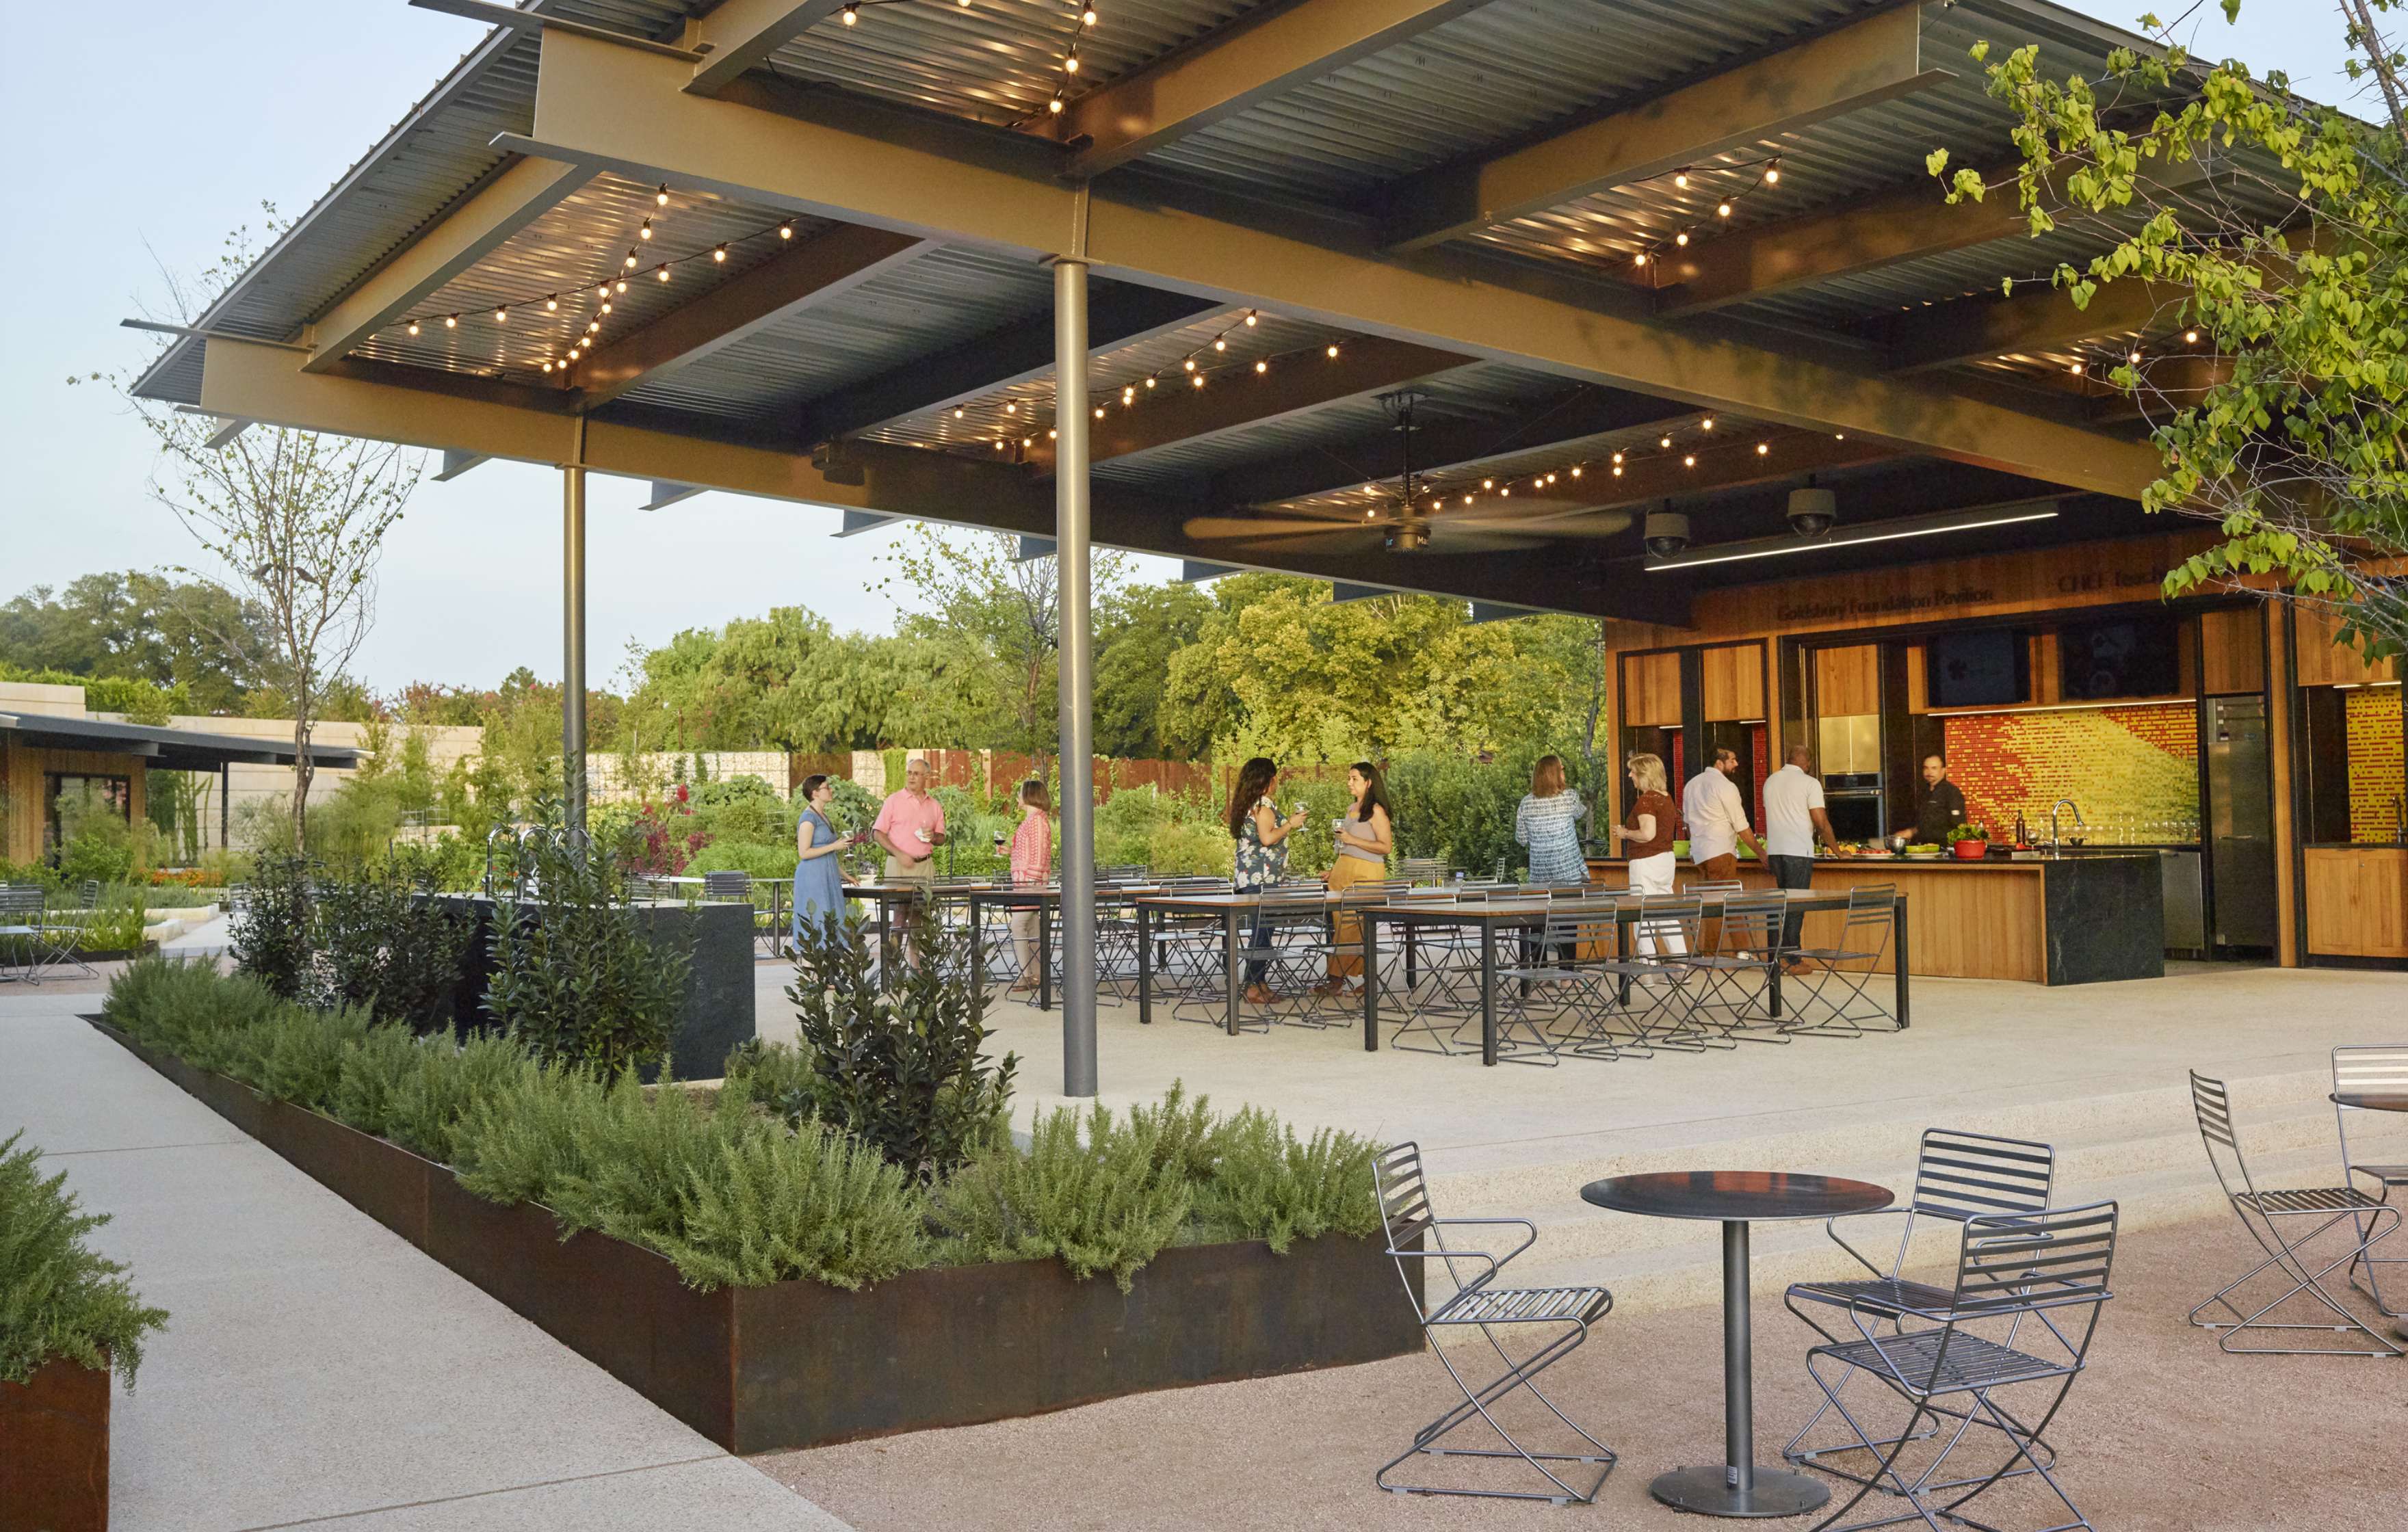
1490 75
997 61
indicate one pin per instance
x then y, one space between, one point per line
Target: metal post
1076 666
225 798
572 660
1739 1370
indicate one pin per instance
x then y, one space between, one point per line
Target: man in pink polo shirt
911 826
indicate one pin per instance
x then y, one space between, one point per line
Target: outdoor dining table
1229 907
1045 899
1489 917
1737 1198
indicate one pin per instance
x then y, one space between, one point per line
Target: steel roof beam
475 228
1862 65
1442 444
826 265
1239 400
666 494
456 464
1118 314
1881 231
599 103
740 35
1272 50
264 383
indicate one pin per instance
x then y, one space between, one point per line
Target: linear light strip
1704 556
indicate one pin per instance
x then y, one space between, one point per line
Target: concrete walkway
316 1369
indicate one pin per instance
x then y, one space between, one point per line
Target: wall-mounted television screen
1984 667
2129 657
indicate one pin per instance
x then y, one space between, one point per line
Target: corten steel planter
54 1449
801 1364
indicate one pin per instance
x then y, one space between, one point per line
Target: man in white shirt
1794 821
1717 819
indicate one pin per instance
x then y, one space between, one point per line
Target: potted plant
67 1319
1973 841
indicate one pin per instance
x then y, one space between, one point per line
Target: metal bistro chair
2043 1276
1417 1233
2375 1070
2261 1214
1958 1177
22 931
1748 942
1848 967
1555 998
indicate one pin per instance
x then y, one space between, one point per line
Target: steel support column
1076 669
572 654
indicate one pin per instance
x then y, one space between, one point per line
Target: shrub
427 1103
901 1069
772 1077
269 932
762 861
809 1204
1264 1184
57 1297
116 923
296 1055
1099 1202
382 941
574 977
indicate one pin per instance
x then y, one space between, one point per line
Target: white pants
1654 874
1023 943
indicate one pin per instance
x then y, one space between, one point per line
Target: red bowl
1973 851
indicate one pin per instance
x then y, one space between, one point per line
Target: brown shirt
1660 806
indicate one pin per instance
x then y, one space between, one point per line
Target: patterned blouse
1259 865
1551 828
1032 850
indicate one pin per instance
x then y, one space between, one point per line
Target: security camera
1668 531
1813 512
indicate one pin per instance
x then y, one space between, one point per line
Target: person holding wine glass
1261 855
819 877
1365 834
1032 865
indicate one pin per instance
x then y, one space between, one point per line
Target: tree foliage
2289 265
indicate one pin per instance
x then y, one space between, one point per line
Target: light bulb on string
2135 357
1086 17
1189 364
1199 380
1149 383
551 305
1772 174
451 321
1333 351
1488 483
1011 407
1617 457
852 15
1576 470
630 262
1099 412
1722 209
1681 239
646 232
502 314
1665 442
1617 471
1763 449
1689 459
547 366
1707 424
958 412
603 291
1640 259
662 271
1052 435
785 231
1220 344
1250 319
719 254
622 284
1054 106
413 326
605 305
1071 64
661 198
2190 337
1681 179
1261 366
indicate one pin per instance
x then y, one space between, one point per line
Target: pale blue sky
167 122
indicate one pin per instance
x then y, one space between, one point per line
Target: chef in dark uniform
1944 807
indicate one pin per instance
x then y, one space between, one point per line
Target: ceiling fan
1404 520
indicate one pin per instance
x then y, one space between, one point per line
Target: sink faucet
2054 842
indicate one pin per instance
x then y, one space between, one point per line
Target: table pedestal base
1709 1492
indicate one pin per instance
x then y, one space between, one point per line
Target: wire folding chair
1415 1233
2042 1278
2373 1069
1847 967
1564 995
1958 1177
2263 1214
23 933
1747 945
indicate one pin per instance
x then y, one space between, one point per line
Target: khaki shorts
899 871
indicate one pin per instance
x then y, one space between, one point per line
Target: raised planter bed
54 1451
801 1364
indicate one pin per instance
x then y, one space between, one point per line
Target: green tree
1139 631
2290 271
136 625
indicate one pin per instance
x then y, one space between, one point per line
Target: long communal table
1490 917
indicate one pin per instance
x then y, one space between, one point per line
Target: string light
719 255
1333 351
1689 459
785 231
662 271
1723 209
551 305
1763 449
630 262
2135 357
2190 337
1682 238
661 198
1261 366
451 321
646 232
1707 424
1767 173
852 15
413 326
502 315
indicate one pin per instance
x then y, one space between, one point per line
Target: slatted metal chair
2043 1280
23 935
1421 869
1562 1315
2364 1221
1958 1177
1558 1000
1834 995
2381 1157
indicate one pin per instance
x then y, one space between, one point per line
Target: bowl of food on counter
1972 841
1925 850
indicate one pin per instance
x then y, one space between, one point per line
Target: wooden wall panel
2232 652
1734 682
2357 901
1651 689
22 769
2324 661
1847 681
2278 741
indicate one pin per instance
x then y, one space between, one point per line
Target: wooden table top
2374 1101
1736 1196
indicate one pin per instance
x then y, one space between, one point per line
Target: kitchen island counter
2079 919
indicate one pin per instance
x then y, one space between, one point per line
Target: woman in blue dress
819 881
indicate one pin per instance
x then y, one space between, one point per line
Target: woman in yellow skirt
1365 836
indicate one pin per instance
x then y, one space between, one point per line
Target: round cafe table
1736 1198
2376 1101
